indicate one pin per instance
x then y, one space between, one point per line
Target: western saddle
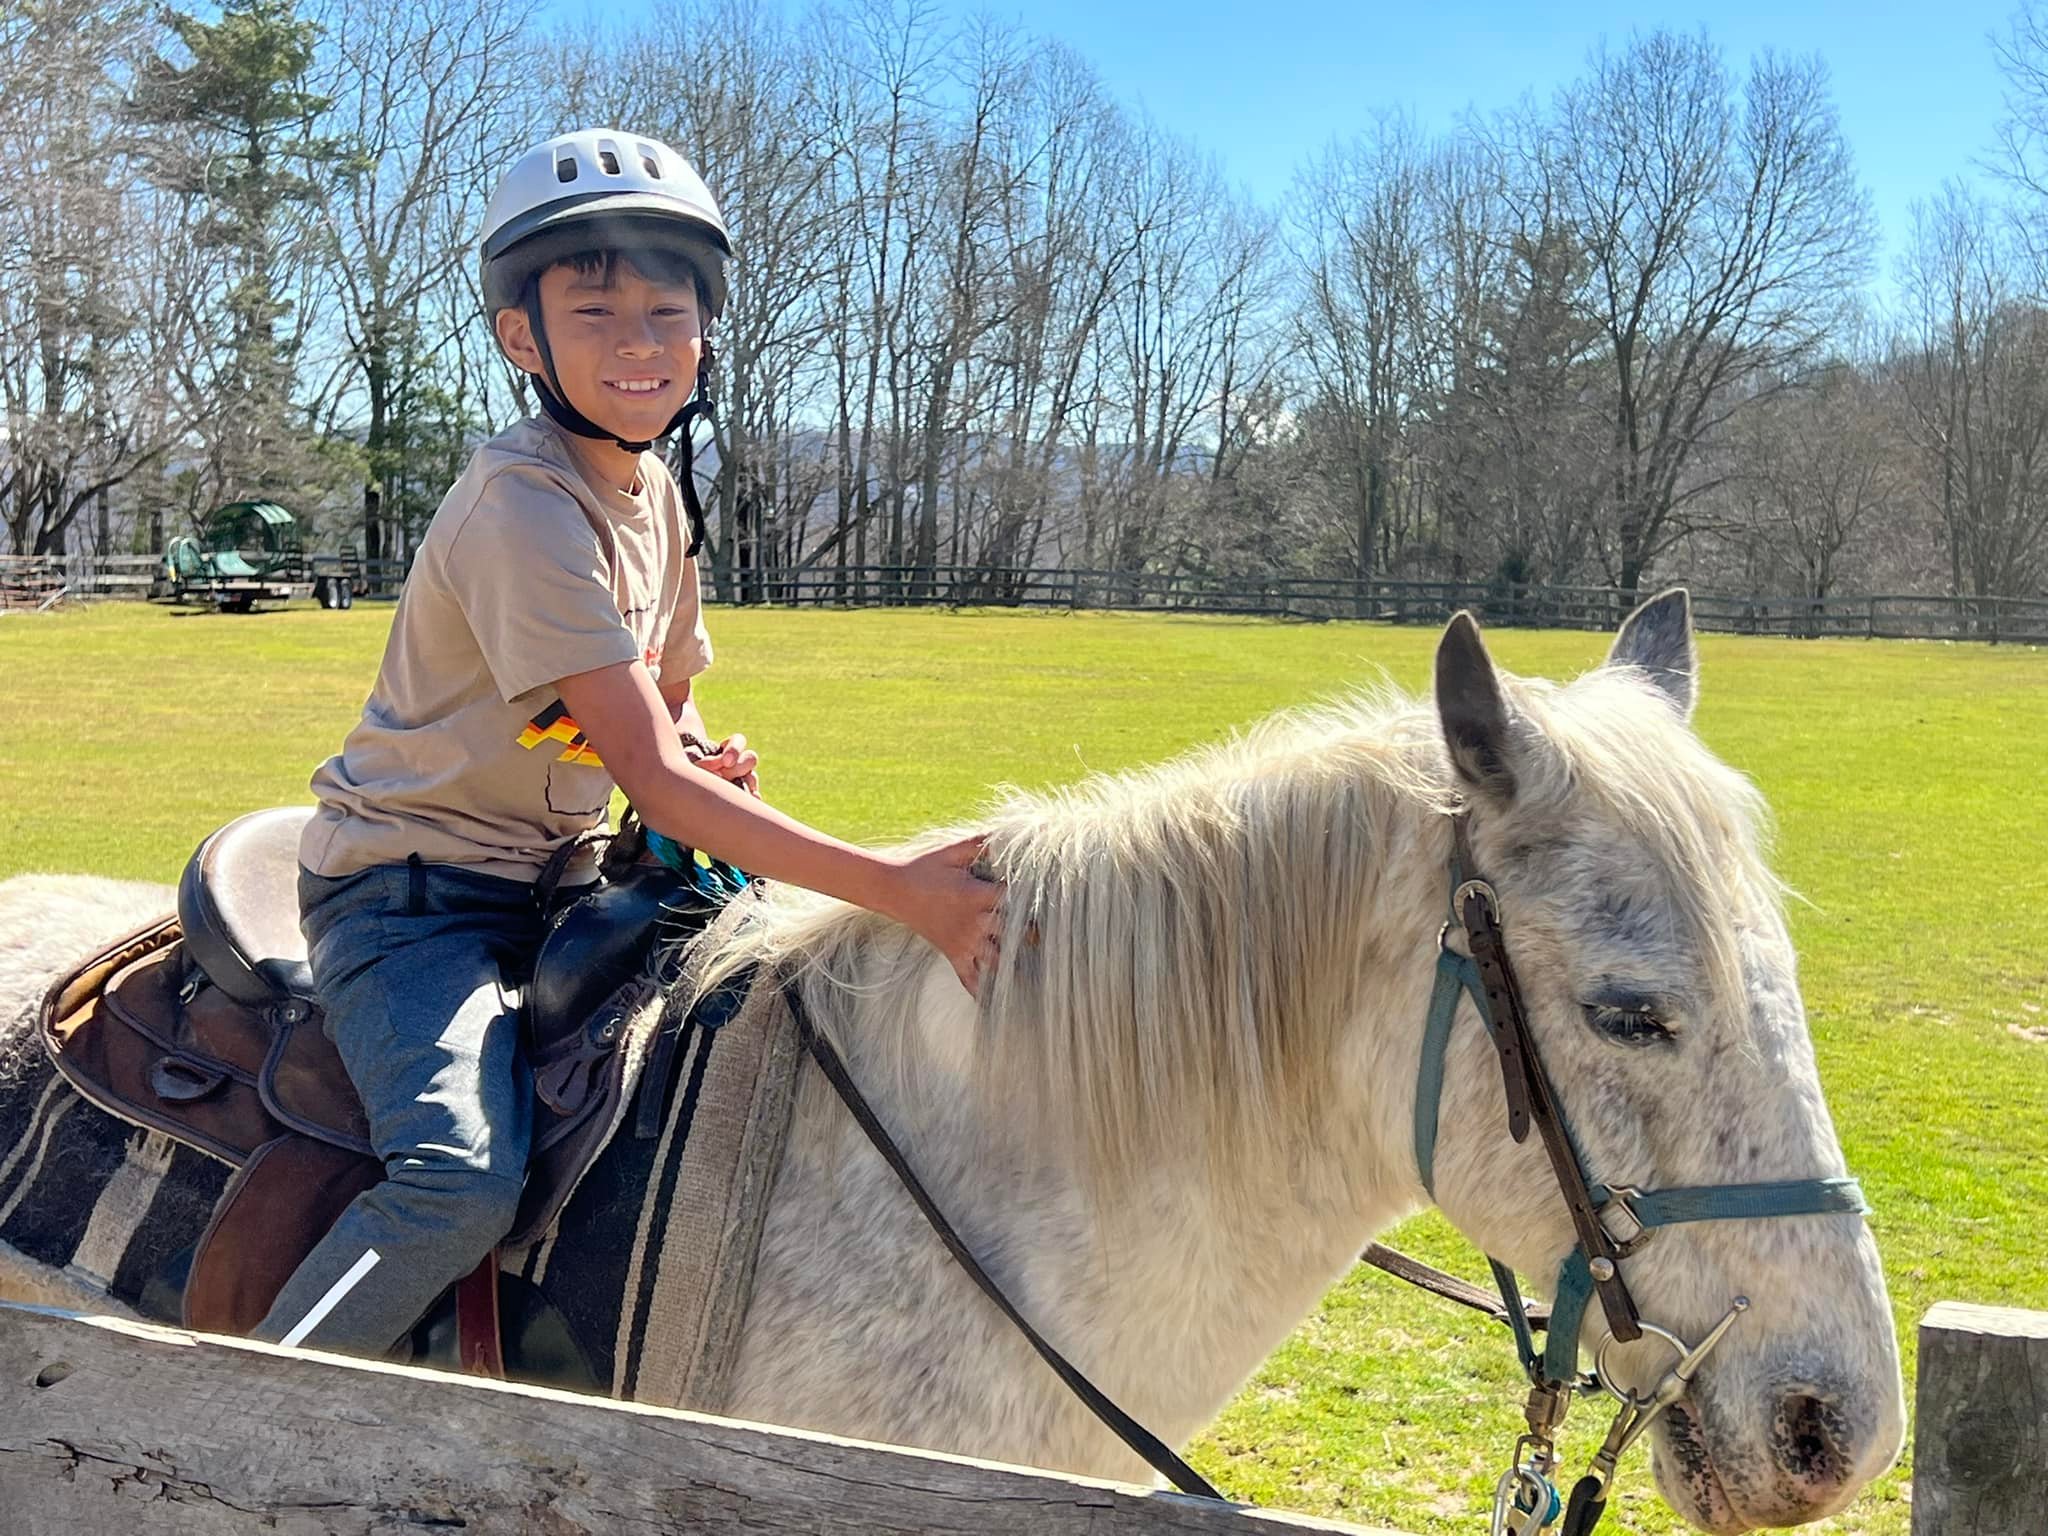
204 1026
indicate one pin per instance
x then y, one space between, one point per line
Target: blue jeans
411 962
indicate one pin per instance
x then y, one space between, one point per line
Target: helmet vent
565 168
609 159
650 159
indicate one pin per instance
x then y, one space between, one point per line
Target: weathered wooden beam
1980 1458
120 1427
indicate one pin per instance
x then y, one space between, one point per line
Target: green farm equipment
249 551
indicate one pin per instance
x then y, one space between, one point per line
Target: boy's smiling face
626 347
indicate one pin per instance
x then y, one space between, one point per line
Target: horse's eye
1631 1026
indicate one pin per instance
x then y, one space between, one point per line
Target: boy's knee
470 1209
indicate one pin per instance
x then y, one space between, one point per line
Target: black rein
1141 1440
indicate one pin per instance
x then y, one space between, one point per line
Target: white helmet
600 189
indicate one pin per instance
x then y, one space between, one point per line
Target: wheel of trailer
238 602
326 593
344 594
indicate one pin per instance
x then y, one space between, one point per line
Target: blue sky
1264 83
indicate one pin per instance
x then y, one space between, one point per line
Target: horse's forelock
1611 737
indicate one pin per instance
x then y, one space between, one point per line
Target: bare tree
979 182
1064 263
1167 343
986 316
1723 237
87 286
1974 371
1819 468
1359 334
2021 155
875 108
421 104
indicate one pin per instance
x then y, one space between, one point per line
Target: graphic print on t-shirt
555 723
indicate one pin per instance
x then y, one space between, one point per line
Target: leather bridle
1529 1096
1525 1500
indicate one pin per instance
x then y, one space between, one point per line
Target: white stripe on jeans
335 1292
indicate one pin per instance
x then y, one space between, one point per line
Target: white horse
1185 1101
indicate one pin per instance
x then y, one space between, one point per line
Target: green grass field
1907 781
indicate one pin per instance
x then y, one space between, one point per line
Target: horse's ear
1472 709
1657 640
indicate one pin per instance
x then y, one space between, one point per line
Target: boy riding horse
542 652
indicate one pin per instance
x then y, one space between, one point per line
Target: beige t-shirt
532 570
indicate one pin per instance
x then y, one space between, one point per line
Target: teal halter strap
1455 973
1664 1208
1557 1362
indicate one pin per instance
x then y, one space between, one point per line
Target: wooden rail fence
117 1427
131 1430
32 580
1881 616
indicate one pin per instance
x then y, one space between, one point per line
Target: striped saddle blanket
135 1032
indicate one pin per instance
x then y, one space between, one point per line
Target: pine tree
236 133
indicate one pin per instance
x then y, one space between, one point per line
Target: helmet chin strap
555 401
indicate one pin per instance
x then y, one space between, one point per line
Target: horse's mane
1185 945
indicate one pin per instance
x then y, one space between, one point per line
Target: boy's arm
629 720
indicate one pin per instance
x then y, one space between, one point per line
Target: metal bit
1637 1414
1680 1376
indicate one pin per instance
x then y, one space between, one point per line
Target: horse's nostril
1807 1439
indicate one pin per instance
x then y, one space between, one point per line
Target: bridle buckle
1482 890
1620 1198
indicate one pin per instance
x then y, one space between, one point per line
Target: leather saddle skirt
204 1026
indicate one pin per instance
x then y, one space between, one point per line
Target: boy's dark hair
649 262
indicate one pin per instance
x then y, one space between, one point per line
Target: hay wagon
249 552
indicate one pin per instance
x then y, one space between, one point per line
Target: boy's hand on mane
957 910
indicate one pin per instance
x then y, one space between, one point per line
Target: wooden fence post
1980 1459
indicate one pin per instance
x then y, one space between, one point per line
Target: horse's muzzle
1817 1445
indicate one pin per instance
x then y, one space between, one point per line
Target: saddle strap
1155 1452
478 1339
